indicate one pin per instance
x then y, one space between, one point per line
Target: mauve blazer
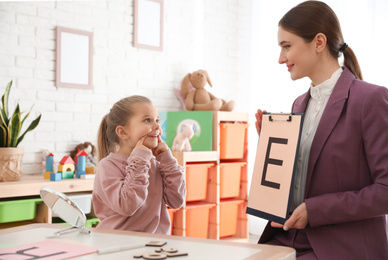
347 178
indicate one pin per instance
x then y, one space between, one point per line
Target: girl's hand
140 144
259 117
299 219
162 147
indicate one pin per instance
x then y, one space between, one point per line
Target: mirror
66 209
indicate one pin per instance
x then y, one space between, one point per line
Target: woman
340 191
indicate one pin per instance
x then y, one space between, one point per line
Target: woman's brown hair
312 17
120 113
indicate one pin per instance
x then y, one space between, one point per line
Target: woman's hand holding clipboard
259 118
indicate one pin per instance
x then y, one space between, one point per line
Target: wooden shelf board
30 186
231 116
203 156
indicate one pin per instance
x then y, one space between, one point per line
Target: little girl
137 174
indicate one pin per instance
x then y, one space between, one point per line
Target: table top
195 247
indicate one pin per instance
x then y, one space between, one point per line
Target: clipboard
274 169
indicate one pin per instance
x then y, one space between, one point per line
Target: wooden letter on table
275 162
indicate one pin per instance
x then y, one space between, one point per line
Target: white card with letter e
273 172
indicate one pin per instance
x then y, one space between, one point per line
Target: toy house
66 167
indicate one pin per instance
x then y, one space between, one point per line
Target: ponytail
351 62
102 139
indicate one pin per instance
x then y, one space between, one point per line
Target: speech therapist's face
299 56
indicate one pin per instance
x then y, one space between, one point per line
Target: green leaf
4 101
25 117
11 125
17 110
31 127
15 128
3 136
2 120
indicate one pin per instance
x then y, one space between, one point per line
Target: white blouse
319 96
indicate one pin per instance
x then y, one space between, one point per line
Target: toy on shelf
55 176
181 141
66 167
90 170
197 98
80 162
201 123
90 149
49 166
50 163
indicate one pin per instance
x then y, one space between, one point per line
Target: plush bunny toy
199 99
181 141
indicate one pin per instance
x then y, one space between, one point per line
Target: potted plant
11 156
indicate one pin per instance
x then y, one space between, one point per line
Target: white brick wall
198 34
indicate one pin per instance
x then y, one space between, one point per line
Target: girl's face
299 56
144 122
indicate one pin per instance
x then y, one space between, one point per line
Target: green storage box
18 210
90 222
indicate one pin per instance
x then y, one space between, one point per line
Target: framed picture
148 24
74 67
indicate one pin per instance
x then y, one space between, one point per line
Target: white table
198 249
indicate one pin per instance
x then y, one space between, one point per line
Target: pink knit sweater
131 193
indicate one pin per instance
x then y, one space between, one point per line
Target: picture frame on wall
148 24
74 64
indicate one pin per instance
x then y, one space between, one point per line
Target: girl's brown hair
120 113
312 17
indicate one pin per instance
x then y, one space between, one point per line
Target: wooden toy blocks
49 166
55 176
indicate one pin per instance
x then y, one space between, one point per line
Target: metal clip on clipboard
280 114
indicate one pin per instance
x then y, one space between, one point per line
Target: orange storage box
232 138
196 181
230 176
228 217
171 214
197 219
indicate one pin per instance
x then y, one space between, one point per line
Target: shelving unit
28 187
219 203
180 227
